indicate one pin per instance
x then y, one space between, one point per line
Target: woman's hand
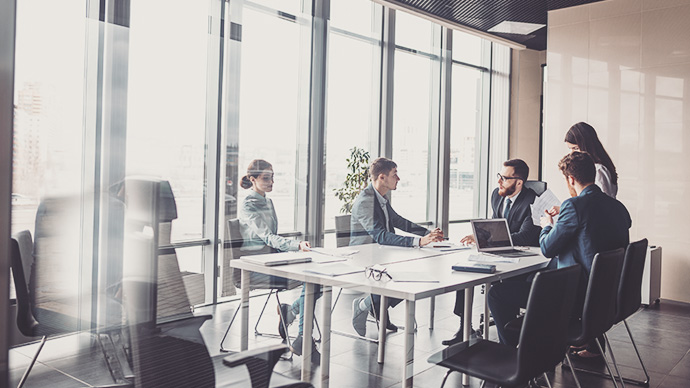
304 246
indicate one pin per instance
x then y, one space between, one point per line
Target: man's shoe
457 338
390 326
359 317
288 317
296 348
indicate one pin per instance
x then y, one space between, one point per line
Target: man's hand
304 246
434 236
467 240
546 219
553 212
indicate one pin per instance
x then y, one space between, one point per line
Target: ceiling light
507 27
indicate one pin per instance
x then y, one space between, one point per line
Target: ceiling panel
485 14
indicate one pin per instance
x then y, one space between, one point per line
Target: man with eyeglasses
374 220
510 200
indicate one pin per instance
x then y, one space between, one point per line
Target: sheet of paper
543 202
446 246
334 269
489 258
338 252
403 276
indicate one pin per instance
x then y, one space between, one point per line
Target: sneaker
288 317
359 317
296 348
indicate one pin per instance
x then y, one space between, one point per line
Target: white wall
525 107
624 67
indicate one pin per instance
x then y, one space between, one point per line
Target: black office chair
22 262
629 299
174 354
539 187
599 309
257 280
542 336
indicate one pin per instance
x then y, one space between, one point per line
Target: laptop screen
491 234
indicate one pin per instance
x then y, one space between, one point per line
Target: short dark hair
520 167
381 166
580 166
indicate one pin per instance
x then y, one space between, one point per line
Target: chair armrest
263 354
260 363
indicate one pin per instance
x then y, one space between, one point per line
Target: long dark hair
587 141
256 167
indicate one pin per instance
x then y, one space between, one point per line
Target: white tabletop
434 262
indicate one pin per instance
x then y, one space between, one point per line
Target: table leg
326 335
408 357
308 328
487 313
383 318
432 311
244 311
467 323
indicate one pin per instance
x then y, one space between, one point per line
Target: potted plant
356 180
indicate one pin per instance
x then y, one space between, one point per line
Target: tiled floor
662 333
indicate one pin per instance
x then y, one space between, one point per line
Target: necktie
507 209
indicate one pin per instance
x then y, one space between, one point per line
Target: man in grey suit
374 220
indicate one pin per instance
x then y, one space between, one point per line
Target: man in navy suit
588 223
510 200
374 220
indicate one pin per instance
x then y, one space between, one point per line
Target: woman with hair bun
583 137
259 216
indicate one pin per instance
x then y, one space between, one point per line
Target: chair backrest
236 251
630 288
342 230
543 337
539 187
602 288
21 256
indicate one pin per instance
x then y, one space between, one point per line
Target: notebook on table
493 236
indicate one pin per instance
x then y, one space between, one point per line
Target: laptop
493 236
273 259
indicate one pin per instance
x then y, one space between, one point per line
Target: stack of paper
543 202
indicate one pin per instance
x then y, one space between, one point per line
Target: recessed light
520 28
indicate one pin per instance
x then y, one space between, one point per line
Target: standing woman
259 216
583 137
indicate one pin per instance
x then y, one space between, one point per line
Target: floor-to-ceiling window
166 112
352 87
415 110
468 119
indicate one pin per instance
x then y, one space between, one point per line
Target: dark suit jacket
587 224
522 229
368 222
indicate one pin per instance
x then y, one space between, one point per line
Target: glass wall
188 94
50 189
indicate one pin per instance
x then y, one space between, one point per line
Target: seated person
258 214
373 220
510 200
589 222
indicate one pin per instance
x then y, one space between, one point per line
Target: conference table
411 264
